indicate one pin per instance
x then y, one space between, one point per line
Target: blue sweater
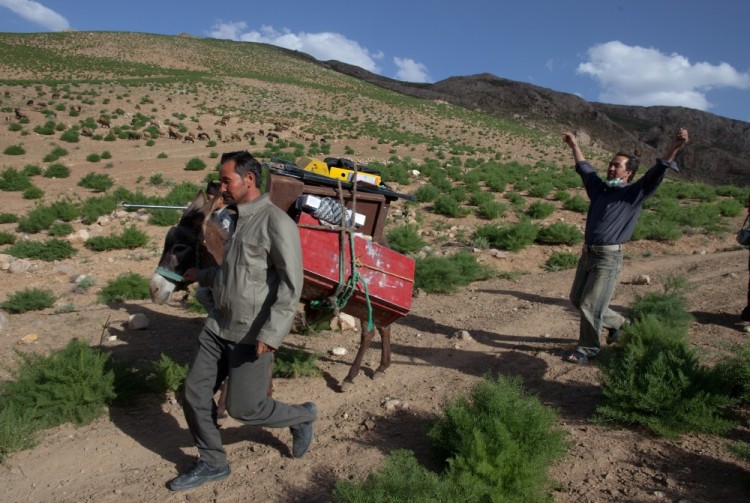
614 211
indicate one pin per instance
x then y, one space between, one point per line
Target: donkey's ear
198 202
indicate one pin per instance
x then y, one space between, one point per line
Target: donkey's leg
385 354
364 344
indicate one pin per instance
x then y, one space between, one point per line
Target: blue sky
688 53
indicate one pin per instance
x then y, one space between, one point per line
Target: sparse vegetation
29 299
127 286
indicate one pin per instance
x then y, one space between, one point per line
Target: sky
689 53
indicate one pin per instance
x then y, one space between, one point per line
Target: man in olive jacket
256 291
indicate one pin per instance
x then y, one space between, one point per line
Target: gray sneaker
302 434
198 475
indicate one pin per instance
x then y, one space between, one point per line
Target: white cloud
37 13
323 46
640 76
411 71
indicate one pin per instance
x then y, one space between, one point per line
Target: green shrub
29 299
127 286
652 226
46 129
7 238
33 192
94 207
14 150
295 363
14 126
31 170
559 233
491 209
730 208
655 380
577 204
511 237
93 157
12 180
405 239
129 239
70 136
56 153
447 274
106 155
446 205
164 218
427 193
668 306
540 189
59 229
69 385
166 375
559 261
57 171
8 218
50 250
733 373
64 210
540 209
195 164
99 182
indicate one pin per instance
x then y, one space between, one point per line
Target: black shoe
302 434
198 475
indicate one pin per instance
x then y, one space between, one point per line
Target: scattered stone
462 335
112 338
64 268
343 322
138 321
103 221
747 328
643 279
392 404
120 214
658 494
79 236
19 266
699 252
80 278
415 172
28 339
338 351
5 261
498 253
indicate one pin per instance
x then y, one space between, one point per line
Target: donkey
198 236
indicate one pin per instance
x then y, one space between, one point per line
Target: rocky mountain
719 151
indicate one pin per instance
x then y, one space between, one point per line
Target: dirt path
519 328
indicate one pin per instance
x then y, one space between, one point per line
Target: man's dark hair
244 163
631 165
213 188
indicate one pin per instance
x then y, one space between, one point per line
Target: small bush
427 193
559 261
127 286
31 170
30 299
94 207
51 250
33 192
511 237
195 164
14 126
12 180
129 239
14 150
560 233
8 218
405 239
99 182
491 209
106 155
93 157
539 210
577 204
70 136
166 375
447 274
295 363
164 218
7 238
448 206
69 385
59 229
56 153
57 171
162 155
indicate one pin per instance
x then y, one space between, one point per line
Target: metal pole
156 206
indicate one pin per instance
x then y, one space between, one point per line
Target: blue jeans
593 287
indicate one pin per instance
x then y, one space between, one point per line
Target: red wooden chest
389 275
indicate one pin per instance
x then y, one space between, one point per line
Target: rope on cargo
346 288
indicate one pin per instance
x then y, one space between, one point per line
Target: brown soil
519 327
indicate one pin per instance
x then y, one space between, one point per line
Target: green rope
345 289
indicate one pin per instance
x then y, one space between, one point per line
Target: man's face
617 168
235 189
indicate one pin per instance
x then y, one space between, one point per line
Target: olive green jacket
257 288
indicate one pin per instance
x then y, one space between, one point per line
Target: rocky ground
517 327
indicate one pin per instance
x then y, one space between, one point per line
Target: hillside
720 149
152 114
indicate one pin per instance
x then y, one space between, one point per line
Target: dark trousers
247 394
